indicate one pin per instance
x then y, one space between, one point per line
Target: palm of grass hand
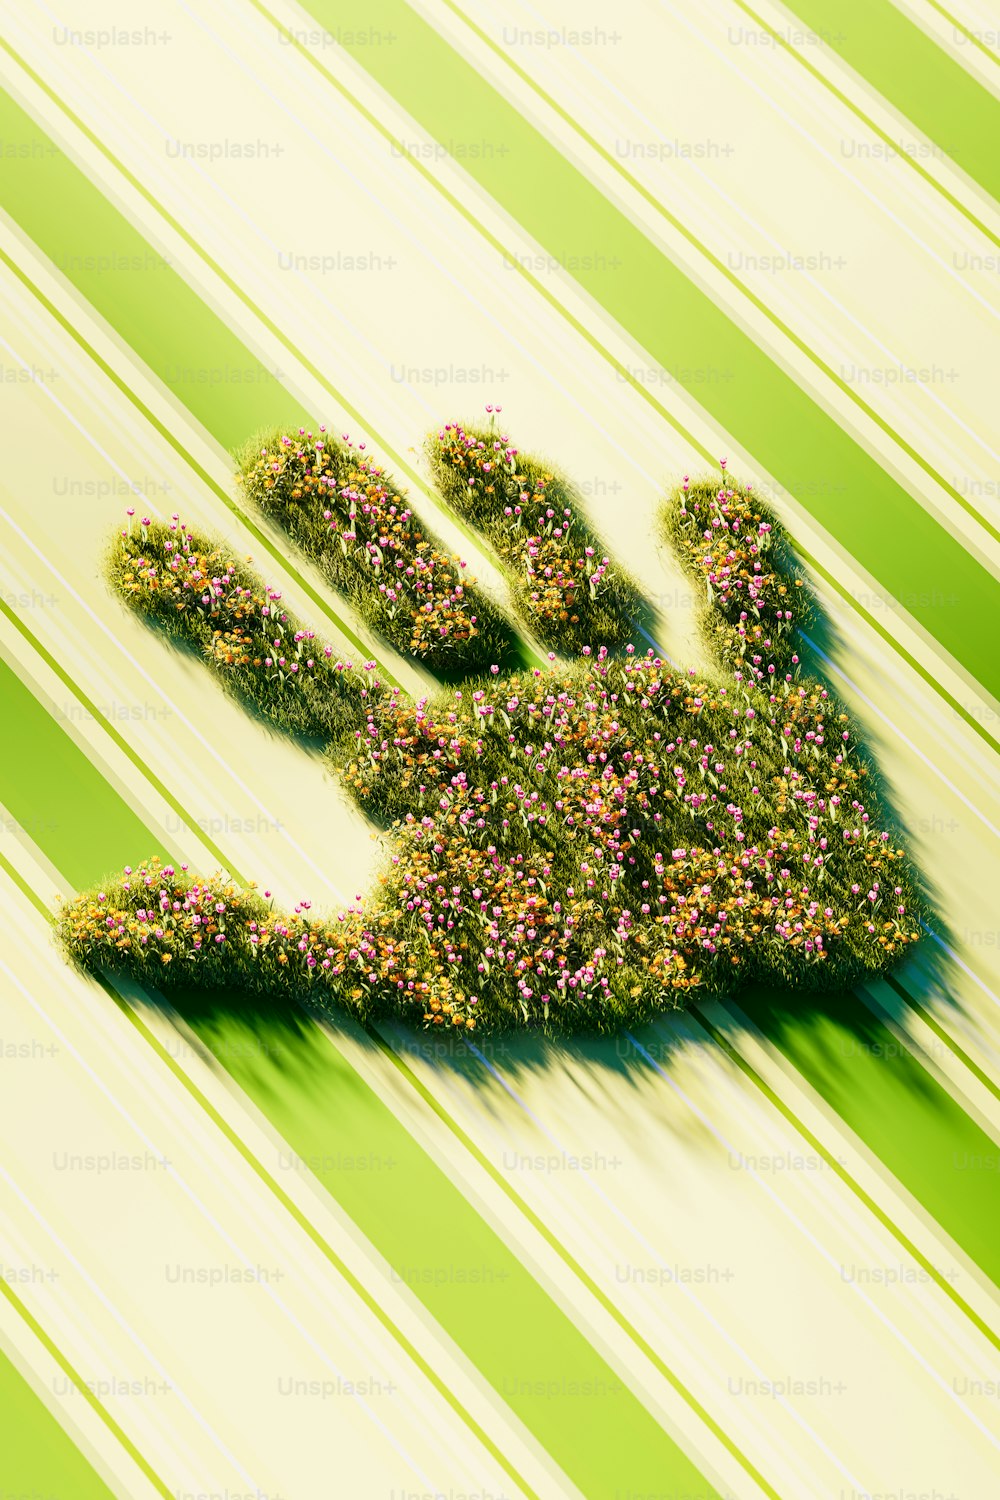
578 845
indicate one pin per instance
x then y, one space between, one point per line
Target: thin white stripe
807 275
843 171
146 676
793 1217
404 228
648 1245
227 1238
905 738
961 962
623 454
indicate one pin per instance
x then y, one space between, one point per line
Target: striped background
745 1253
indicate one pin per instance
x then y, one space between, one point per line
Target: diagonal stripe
342 1309
979 1073
782 40
973 37
68 783
916 76
559 1128
951 1393
38 1454
81 1385
947 1062
123 846
677 323
99 208
132 753
282 1156
719 265
358 1289
107 1083
871 196
212 335
968 45
907 1119
418 1221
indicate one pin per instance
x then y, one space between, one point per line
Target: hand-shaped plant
580 845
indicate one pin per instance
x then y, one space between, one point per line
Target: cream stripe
918 716
214 787
785 1447
838 74
969 752
984 69
83 663
850 1152
601 395
620 95
921 1041
296 1180
41 1370
658 1187
980 18
232 1356
957 518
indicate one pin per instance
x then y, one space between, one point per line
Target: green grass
341 509
206 600
563 582
580 847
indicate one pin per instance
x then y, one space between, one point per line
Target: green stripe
725 271
217 1030
79 1471
57 797
640 1342
146 257
370 1300
780 40
39 1458
128 241
426 1229
552 1240
270 1034
941 1280
970 35
220 857
912 555
247 520
898 1109
532 1354
950 1042
223 385
918 78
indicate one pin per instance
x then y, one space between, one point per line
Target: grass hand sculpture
576 846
